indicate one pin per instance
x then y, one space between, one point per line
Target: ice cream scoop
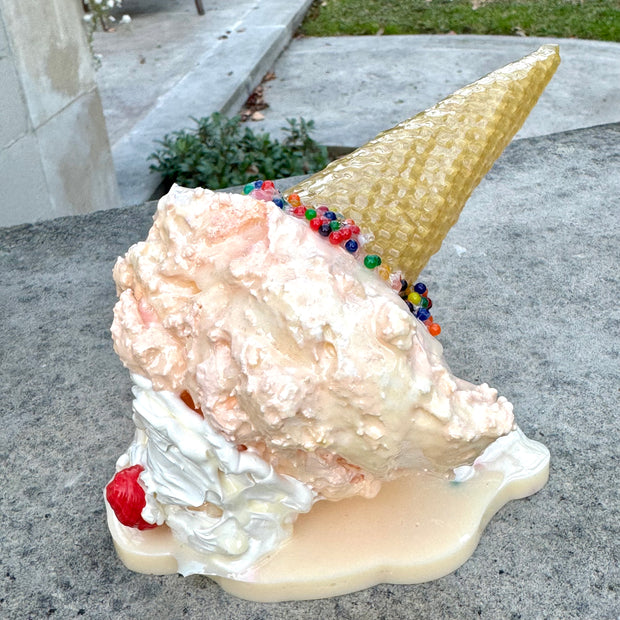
292 348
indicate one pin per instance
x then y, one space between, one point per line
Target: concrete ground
170 64
526 289
355 87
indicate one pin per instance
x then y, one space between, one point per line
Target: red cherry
127 498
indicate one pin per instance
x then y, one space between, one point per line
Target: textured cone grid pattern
409 184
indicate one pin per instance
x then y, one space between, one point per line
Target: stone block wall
55 155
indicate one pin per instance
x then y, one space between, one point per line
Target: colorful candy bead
261 194
315 223
310 214
384 272
325 230
371 261
351 246
346 232
414 298
248 188
330 215
420 288
294 200
423 314
335 237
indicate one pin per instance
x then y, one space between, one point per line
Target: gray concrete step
526 289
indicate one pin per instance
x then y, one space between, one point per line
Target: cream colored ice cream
292 348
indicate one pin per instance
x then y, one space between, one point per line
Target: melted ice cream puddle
420 527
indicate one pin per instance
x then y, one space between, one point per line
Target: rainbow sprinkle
344 232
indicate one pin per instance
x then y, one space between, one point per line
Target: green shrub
219 152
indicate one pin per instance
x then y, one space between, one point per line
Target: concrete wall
55 155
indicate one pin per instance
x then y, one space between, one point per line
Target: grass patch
587 19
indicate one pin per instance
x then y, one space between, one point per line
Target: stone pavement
171 64
526 289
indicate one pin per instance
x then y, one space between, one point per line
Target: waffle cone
409 184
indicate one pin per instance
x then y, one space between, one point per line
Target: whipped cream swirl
228 507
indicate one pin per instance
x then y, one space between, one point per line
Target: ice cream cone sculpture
409 185
275 374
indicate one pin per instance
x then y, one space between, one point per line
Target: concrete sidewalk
170 65
355 87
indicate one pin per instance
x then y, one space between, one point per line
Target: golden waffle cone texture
409 184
